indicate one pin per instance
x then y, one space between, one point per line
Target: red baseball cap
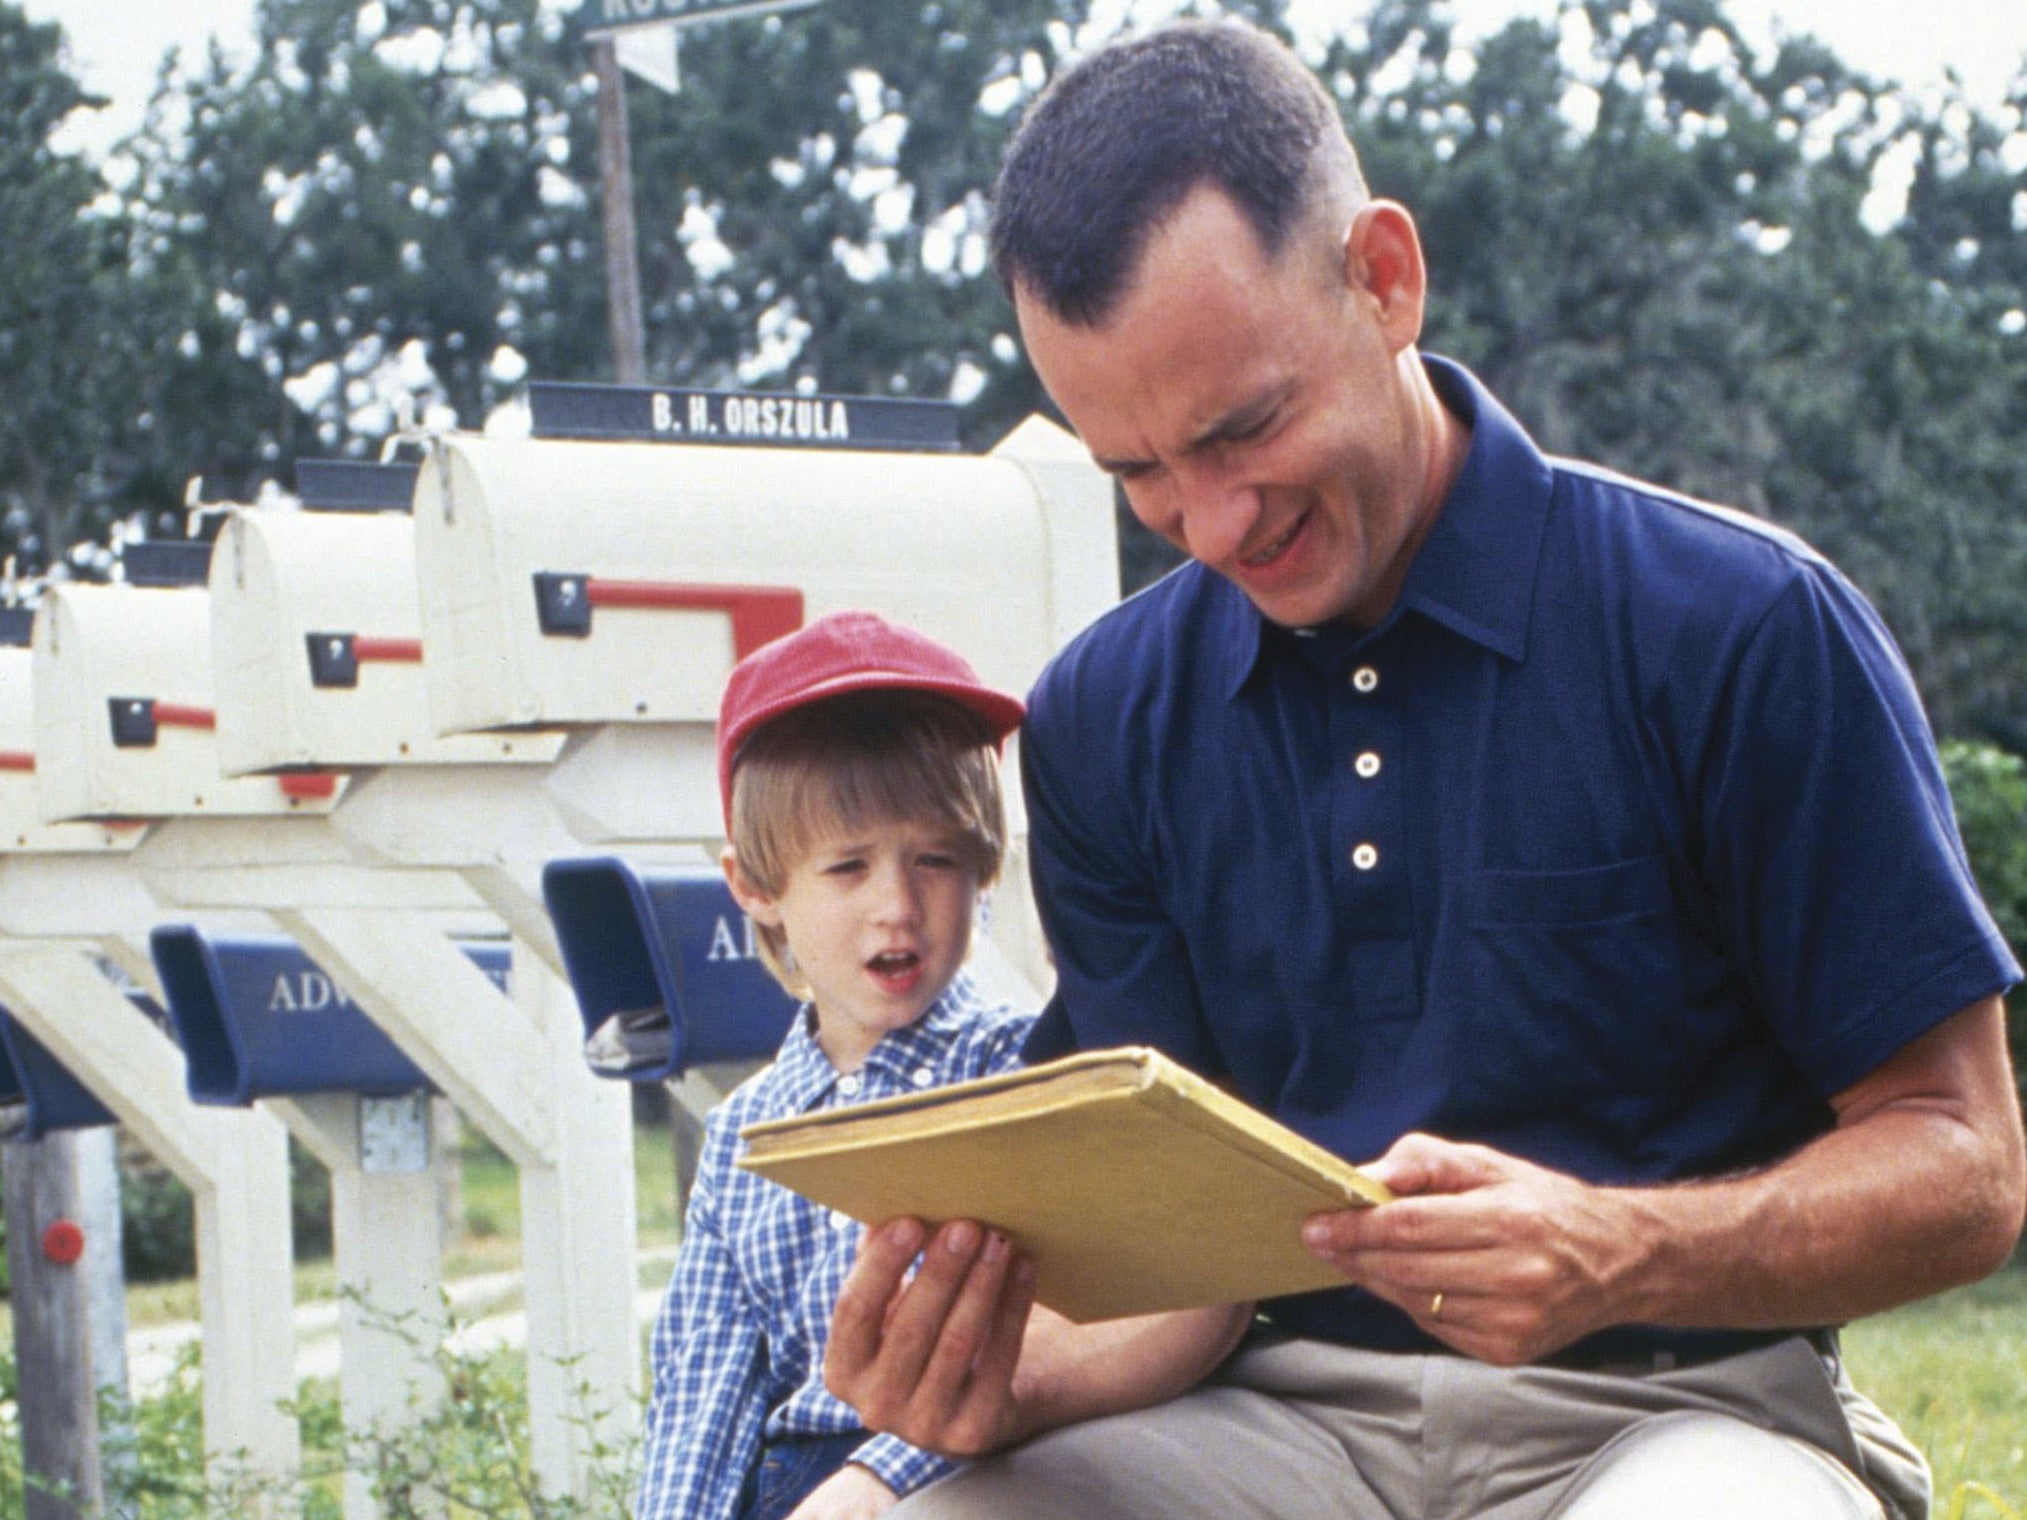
844 652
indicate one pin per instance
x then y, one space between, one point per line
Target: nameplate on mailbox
354 485
559 409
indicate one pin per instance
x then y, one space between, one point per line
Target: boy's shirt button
849 1084
922 1076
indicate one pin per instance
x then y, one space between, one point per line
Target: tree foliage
1681 258
1758 276
813 205
383 210
55 360
1989 788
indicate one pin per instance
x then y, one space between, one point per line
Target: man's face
1255 410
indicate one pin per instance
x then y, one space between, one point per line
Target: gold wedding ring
1436 1307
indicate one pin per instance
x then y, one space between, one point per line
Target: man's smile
1265 558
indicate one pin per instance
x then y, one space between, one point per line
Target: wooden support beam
577 1250
235 1164
387 1244
446 1016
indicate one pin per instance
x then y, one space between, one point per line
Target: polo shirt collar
1475 572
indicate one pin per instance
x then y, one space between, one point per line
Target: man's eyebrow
1239 420
1121 466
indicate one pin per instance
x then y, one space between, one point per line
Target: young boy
858 764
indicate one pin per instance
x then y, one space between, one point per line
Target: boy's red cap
845 652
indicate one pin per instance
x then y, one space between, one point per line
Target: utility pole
52 1327
622 249
602 24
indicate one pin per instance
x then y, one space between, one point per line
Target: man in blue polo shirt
1576 850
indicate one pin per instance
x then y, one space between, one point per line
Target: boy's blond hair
848 761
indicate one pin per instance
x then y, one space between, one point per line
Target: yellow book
1134 1184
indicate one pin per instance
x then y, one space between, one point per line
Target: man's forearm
1918 1189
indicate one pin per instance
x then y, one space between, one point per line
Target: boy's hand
850 1493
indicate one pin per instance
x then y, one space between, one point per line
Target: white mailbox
317 634
22 829
125 724
578 582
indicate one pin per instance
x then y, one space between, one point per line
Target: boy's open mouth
897 969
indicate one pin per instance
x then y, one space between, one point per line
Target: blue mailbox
38 1095
665 969
257 1018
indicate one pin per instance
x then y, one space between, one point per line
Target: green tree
1989 788
392 195
813 204
1667 252
385 209
1677 257
56 351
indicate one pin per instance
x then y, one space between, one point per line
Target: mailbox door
38 1094
664 969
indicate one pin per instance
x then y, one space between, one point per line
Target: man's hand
1921 1185
850 1493
959 1361
1526 1260
933 1362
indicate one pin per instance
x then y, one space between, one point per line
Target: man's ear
754 903
1383 263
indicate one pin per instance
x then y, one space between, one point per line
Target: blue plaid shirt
738 1349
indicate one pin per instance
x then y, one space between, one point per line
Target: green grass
1953 1371
492 1197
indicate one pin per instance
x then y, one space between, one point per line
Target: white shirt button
922 1076
849 1084
1365 857
1365 679
1367 764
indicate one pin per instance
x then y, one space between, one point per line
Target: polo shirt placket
1369 833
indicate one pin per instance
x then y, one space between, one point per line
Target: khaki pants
1304 1430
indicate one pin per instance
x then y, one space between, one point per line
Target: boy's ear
754 903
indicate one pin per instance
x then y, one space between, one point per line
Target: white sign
596 16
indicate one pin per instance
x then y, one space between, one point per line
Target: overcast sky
115 45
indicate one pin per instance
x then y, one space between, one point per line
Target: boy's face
878 919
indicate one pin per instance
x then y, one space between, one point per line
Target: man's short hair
849 761
1117 142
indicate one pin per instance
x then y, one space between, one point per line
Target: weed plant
467 1459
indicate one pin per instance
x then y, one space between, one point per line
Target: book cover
1135 1185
